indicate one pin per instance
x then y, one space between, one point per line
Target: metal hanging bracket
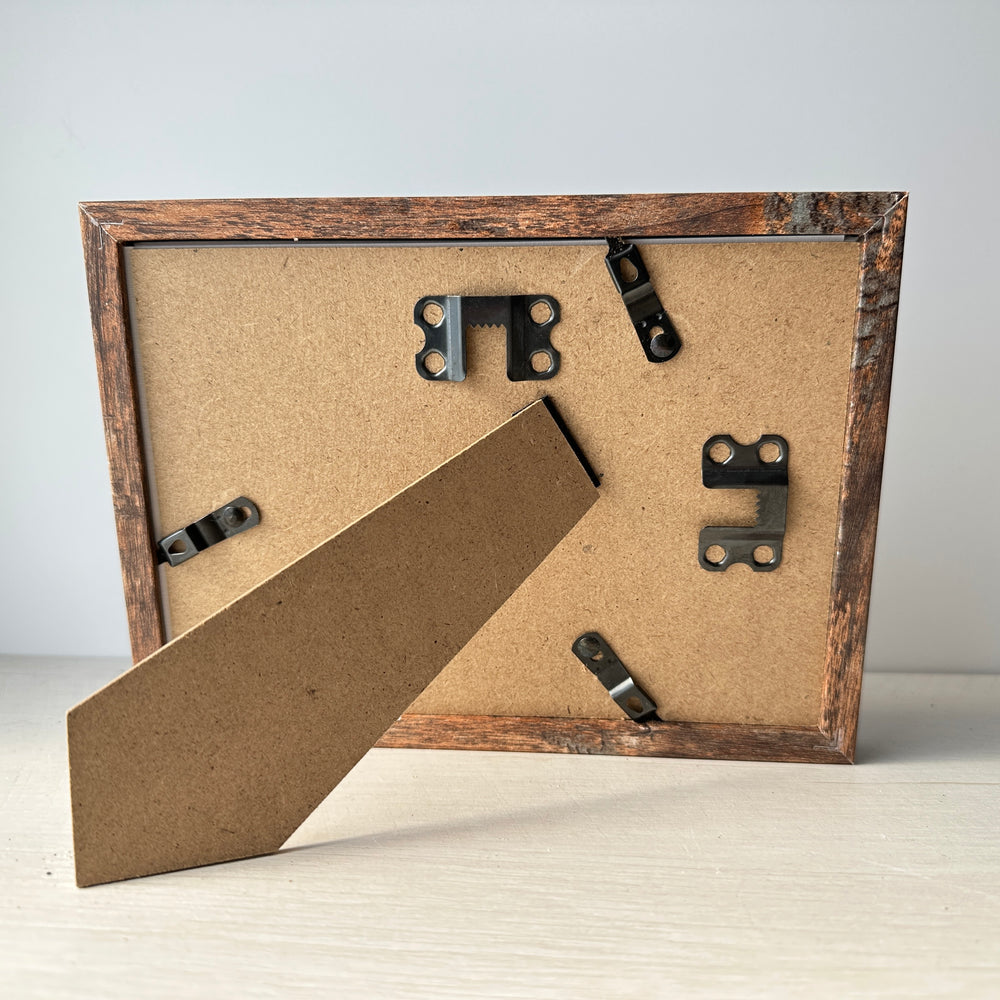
239 515
528 320
761 466
657 334
592 650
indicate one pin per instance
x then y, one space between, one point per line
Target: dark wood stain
864 449
624 737
538 217
123 436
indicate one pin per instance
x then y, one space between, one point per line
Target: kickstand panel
219 744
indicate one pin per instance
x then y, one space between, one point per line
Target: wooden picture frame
876 220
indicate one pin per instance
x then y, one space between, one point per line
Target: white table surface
444 874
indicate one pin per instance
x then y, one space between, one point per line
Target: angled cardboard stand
266 349
218 745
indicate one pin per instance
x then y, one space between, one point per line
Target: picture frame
874 221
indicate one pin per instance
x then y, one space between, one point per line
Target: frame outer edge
116 378
594 216
879 281
623 737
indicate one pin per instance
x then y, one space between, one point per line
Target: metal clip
528 320
657 334
745 467
238 515
599 658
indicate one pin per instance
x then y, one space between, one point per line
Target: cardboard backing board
219 744
287 374
287 371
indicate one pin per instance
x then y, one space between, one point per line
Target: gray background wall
174 100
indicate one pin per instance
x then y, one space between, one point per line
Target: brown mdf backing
222 742
286 373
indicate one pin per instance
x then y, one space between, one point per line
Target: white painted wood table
445 874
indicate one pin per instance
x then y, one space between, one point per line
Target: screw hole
541 362
177 547
720 452
434 362
540 312
659 342
769 452
433 313
627 270
763 555
715 554
233 517
633 704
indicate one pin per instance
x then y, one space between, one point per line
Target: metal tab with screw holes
593 651
657 333
528 320
235 517
761 466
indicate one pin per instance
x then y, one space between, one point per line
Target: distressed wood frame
876 219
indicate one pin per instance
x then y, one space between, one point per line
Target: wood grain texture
815 214
627 738
864 450
123 436
877 219
541 217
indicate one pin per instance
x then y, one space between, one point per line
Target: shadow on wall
954 718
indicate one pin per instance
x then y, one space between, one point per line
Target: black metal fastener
759 546
528 320
235 517
657 334
593 651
